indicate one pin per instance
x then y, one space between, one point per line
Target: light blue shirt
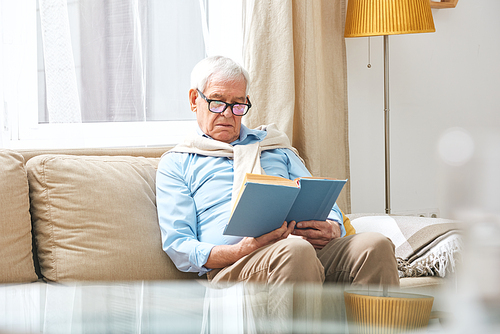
194 199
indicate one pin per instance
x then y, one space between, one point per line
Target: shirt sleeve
297 169
177 218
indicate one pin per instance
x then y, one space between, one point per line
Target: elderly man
195 187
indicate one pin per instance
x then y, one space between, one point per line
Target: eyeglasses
216 106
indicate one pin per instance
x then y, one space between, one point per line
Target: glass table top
191 306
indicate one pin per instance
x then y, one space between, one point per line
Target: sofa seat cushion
95 218
16 257
423 282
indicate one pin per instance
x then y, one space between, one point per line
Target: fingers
314 224
280 233
318 233
315 229
290 229
307 224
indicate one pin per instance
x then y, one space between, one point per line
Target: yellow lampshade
388 17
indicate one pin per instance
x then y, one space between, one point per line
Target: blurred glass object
470 176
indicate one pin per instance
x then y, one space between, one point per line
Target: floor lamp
383 18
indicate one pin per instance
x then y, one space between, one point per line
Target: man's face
224 126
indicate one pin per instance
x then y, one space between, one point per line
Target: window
85 73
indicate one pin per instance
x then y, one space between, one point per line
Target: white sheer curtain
60 76
117 60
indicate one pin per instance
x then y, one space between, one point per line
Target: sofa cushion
16 258
426 283
95 218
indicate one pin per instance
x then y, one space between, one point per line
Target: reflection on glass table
191 307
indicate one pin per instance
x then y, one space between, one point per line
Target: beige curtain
295 53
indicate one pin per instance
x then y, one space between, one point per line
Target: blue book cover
316 199
265 202
261 209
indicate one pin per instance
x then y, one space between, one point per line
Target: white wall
441 80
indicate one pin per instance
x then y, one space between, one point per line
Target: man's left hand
318 233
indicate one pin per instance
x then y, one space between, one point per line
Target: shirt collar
247 136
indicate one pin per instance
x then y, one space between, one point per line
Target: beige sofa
92 214
87 215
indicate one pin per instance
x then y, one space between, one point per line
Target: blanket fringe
438 261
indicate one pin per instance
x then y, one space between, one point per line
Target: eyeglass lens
219 106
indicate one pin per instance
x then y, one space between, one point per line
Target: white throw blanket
424 246
246 157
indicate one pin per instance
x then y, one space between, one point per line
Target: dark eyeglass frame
249 104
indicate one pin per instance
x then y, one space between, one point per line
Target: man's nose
228 112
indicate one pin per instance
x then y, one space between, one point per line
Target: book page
263 179
269 179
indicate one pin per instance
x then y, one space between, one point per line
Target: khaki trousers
292 273
360 259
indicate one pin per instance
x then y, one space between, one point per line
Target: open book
265 202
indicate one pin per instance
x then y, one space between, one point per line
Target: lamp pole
386 127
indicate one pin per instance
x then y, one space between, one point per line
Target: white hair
217 66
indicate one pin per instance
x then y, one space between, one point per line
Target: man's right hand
249 245
225 255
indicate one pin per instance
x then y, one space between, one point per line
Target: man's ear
193 95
